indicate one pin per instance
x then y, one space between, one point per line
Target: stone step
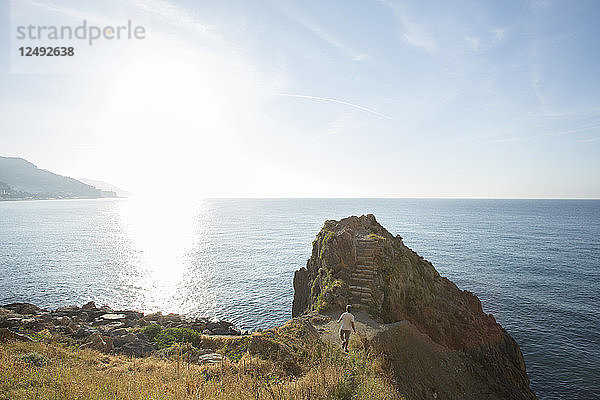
360 281
358 278
360 288
367 245
363 274
365 254
372 271
358 295
365 258
369 272
366 266
361 278
362 300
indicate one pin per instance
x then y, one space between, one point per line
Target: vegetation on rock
289 362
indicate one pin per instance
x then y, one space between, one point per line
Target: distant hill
105 186
21 179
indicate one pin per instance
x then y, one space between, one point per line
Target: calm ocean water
535 264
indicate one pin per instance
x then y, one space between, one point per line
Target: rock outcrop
102 328
357 261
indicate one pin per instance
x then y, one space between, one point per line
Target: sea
535 264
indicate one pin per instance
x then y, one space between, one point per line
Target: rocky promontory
438 342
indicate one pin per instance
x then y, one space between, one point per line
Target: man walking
347 320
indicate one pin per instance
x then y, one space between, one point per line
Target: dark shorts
345 335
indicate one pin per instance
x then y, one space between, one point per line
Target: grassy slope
282 363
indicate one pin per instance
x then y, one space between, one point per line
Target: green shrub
168 336
236 350
328 235
151 331
327 286
34 358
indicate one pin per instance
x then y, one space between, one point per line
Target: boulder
66 310
33 324
83 332
7 335
23 308
137 347
11 322
98 342
81 317
222 328
119 332
112 317
89 306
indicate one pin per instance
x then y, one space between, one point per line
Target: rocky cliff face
357 261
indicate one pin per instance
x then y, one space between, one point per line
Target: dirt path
328 327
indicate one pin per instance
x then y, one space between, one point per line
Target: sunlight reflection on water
163 234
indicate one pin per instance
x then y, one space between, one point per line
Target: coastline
105 329
63 198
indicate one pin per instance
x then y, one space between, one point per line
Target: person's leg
346 340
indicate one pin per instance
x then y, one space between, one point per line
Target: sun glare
176 118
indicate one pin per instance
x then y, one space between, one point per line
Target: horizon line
375 198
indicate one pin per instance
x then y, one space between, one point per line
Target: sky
353 98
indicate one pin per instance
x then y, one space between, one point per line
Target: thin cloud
366 109
170 13
324 35
413 33
589 140
68 11
499 35
473 41
593 126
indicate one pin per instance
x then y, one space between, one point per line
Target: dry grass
68 373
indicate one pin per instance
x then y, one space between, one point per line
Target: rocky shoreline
102 328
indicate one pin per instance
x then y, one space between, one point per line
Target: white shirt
347 319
